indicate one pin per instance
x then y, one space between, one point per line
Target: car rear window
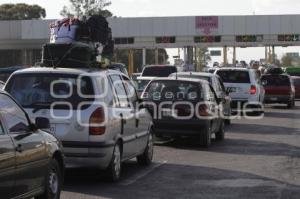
233 76
173 91
34 90
194 77
275 80
159 71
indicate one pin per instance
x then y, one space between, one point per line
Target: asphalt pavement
258 159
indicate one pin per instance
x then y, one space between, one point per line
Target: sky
148 8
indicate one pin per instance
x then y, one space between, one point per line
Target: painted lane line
141 175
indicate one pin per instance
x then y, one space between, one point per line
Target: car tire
53 184
146 158
115 167
220 134
205 137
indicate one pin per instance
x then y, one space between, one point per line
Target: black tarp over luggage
67 55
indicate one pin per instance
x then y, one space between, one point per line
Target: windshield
141 84
173 91
276 80
159 71
34 90
232 76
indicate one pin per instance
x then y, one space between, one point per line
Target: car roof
157 65
295 77
181 79
282 74
76 71
195 74
145 78
235 68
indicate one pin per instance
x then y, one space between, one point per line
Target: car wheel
53 182
146 158
220 135
114 168
205 137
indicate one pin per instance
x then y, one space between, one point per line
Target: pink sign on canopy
207 23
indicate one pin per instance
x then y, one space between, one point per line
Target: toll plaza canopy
171 32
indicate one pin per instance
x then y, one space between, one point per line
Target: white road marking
239 183
138 176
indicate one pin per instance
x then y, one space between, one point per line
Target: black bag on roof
99 30
275 71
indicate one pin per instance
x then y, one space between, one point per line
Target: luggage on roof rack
64 31
99 30
78 44
72 55
94 29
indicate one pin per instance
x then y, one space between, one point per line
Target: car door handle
19 148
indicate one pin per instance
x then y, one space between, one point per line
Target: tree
286 60
80 8
21 11
202 58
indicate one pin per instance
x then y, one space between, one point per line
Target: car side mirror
42 123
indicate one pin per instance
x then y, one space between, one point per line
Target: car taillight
96 119
253 90
203 110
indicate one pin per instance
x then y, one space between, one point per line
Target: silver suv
244 88
96 114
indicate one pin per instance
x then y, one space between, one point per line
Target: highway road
258 159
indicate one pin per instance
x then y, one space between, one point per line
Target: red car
296 80
279 89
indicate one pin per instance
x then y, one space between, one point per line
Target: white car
93 113
243 86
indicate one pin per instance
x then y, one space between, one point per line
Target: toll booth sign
207 24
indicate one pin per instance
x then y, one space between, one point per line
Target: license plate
232 90
274 98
